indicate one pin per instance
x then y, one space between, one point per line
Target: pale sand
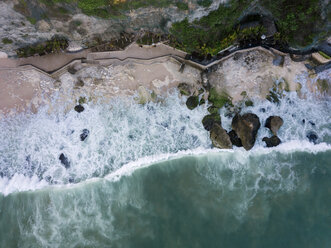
253 71
29 89
22 90
133 70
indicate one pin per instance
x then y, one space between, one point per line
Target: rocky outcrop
246 127
64 160
185 89
209 120
312 137
219 137
271 142
79 108
235 139
192 102
85 133
274 123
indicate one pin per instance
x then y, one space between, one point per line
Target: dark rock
84 134
192 102
209 120
202 101
219 137
79 108
312 137
235 139
246 127
309 67
249 103
213 110
72 70
271 142
312 123
303 121
185 89
274 123
64 160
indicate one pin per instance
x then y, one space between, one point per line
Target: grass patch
324 55
7 41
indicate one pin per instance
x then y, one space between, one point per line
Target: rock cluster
273 123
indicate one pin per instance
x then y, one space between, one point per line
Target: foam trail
124 132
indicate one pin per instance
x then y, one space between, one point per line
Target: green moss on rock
192 102
219 99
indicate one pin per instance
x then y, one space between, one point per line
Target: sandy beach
27 83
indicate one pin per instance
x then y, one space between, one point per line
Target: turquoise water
147 176
267 199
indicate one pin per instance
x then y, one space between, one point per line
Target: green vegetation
182 6
219 100
32 20
295 16
324 55
249 103
56 44
322 85
82 100
205 3
7 41
211 33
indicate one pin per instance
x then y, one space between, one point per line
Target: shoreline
144 71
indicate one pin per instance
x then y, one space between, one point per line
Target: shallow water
147 177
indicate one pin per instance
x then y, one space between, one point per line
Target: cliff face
26 22
202 25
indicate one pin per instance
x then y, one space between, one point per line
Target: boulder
246 127
219 137
274 123
271 142
3 55
43 26
209 120
312 137
79 108
185 89
64 160
85 133
192 102
235 139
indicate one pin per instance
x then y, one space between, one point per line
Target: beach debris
312 137
274 123
272 141
85 133
79 108
219 137
64 160
235 140
246 127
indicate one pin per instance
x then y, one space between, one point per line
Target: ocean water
147 176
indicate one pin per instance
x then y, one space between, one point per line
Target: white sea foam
125 136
